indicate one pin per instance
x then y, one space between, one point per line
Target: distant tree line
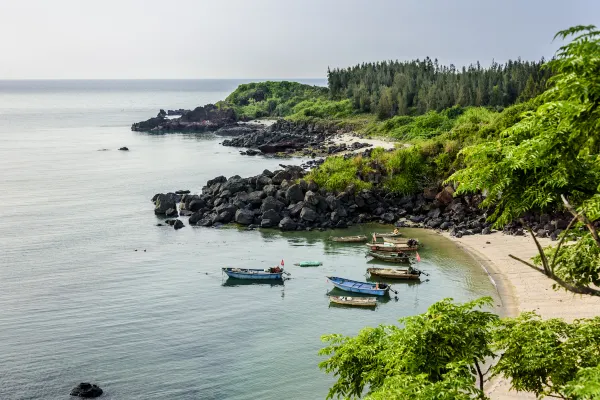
391 88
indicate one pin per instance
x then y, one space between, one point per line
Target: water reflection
233 282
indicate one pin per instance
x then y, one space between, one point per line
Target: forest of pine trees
415 87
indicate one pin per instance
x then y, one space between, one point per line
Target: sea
92 290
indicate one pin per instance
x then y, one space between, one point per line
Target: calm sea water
79 303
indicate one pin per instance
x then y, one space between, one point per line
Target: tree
551 157
448 342
545 357
385 105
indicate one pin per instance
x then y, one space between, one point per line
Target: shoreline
522 289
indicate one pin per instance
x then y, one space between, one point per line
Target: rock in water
86 390
287 224
124 148
178 224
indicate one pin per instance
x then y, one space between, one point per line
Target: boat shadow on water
233 282
395 282
339 292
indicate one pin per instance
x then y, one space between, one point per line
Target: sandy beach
522 288
348 139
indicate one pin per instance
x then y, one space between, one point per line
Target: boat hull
364 288
387 235
252 274
354 301
390 257
309 264
392 248
349 239
391 274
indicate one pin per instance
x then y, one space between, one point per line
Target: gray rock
332 202
270 190
164 202
486 231
271 215
435 213
308 214
311 199
86 390
185 213
280 177
287 224
388 217
225 216
312 186
234 184
171 212
255 198
270 203
178 224
205 221
294 193
195 217
196 205
296 209
244 217
262 181
267 223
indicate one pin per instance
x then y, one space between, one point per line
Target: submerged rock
86 390
178 224
124 148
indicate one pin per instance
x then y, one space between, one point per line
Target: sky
187 39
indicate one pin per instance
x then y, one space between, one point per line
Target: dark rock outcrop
124 148
178 224
201 119
86 390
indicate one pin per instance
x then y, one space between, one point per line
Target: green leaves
437 349
438 355
543 357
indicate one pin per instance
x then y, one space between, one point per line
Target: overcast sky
79 39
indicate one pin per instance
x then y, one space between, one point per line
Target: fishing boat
396 248
408 242
348 285
387 235
350 239
390 257
309 264
391 273
246 273
354 301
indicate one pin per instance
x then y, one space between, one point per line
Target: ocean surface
91 290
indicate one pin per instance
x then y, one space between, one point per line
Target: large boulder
234 184
244 217
225 216
308 214
86 390
218 179
311 199
287 224
388 217
294 194
270 203
271 215
430 193
280 177
295 209
270 190
164 202
195 217
256 198
196 205
332 202
445 197
178 224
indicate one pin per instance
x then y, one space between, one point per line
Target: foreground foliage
441 355
550 158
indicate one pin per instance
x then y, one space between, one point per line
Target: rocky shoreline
282 138
283 199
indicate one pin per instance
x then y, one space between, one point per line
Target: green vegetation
272 99
416 87
549 159
442 354
542 154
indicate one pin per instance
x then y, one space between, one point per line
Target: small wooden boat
348 285
396 248
387 235
309 264
350 239
390 257
408 242
246 273
391 273
354 301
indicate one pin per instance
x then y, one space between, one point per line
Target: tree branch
583 219
566 285
542 254
479 374
562 239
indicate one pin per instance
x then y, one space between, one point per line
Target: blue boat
375 289
246 273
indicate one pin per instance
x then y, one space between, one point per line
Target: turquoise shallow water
78 303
